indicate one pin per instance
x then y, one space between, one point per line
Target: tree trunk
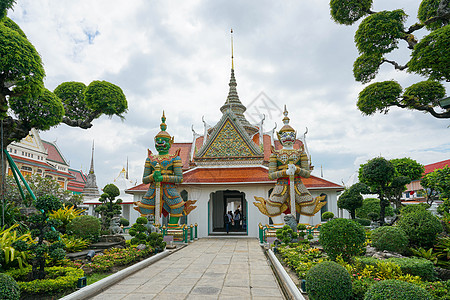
352 214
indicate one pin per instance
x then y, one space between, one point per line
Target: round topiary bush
9 289
327 215
328 281
86 227
396 290
421 227
342 237
390 238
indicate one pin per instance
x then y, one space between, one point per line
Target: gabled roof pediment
229 140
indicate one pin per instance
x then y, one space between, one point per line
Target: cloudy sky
175 56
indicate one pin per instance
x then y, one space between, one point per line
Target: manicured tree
421 227
342 237
43 228
377 174
437 184
379 34
407 170
351 198
24 101
110 207
139 232
328 281
371 209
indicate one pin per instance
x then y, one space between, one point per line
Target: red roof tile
439 165
184 153
53 153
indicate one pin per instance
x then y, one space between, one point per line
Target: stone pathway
210 268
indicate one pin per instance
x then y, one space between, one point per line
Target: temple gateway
225 168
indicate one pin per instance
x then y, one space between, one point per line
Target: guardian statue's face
287 138
162 145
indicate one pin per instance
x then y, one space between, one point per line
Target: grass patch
90 279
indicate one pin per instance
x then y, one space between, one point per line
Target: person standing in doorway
237 219
227 221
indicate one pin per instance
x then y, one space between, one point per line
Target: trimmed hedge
328 281
390 238
363 222
372 205
9 290
60 279
396 290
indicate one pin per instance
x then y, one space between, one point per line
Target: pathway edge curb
97 287
289 286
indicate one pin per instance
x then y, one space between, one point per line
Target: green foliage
118 257
286 234
41 112
139 232
390 238
437 185
366 66
66 214
328 280
378 97
379 32
372 205
412 208
11 256
408 167
347 12
86 227
442 250
428 9
416 267
73 243
427 92
421 227
124 222
72 96
396 289
427 254
110 207
326 216
363 222
301 257
342 237
9 290
156 241
351 198
12 215
431 57
105 97
58 279
439 290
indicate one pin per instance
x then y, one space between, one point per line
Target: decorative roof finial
163 126
286 120
232 62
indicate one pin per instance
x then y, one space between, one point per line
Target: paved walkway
210 268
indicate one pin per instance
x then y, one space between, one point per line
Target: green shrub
440 290
372 205
156 241
413 266
412 208
286 234
342 237
390 238
328 280
58 279
86 227
73 243
416 267
421 227
138 231
9 289
363 222
124 222
327 215
396 289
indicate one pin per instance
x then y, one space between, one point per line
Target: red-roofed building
35 156
227 166
414 190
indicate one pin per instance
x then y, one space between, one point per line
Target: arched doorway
224 201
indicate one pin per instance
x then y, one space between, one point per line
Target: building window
325 207
26 168
15 151
39 171
48 176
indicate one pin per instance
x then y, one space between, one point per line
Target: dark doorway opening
226 201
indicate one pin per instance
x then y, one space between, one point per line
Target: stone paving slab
210 268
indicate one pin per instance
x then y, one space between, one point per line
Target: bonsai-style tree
48 238
406 170
110 207
24 101
351 198
377 174
379 34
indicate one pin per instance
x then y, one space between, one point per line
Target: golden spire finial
232 62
